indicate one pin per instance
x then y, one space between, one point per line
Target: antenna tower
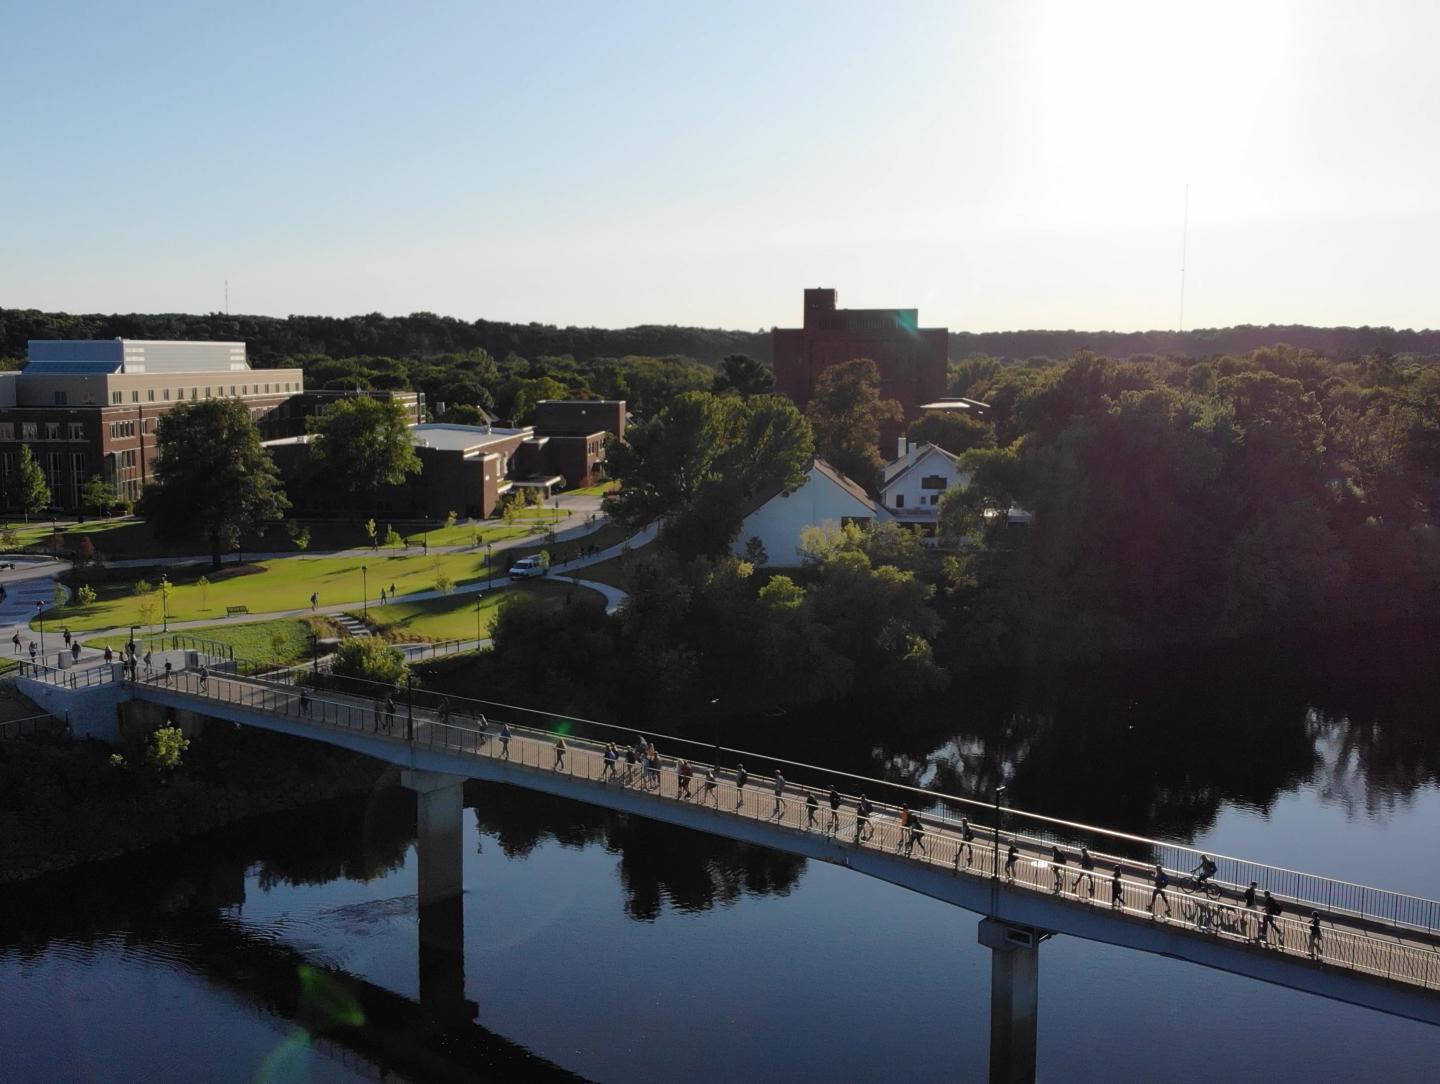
1184 250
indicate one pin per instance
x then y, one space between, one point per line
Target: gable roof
826 471
920 457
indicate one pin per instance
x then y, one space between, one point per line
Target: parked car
526 568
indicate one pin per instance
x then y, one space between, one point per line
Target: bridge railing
76 677
1135 854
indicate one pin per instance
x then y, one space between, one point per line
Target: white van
526 567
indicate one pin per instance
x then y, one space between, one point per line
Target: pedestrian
66 632
630 762
682 775
559 752
1272 912
379 713
16 641
482 729
833 825
1057 867
1117 890
442 713
967 843
1315 952
1250 906
382 596
504 741
864 830
609 770
392 590
109 655
204 677
652 765
1087 871
1010 856
167 671
917 835
149 664
740 776
390 713
904 828
779 810
710 784
304 703
75 650
314 600
1162 879
812 804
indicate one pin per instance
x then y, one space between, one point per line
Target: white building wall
779 521
916 497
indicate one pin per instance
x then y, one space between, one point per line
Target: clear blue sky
997 165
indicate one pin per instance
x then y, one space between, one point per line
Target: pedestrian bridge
1375 948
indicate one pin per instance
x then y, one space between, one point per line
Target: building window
28 430
244 389
149 395
899 500
114 396
194 394
135 396
7 430
52 430
60 398
933 481
207 393
166 392
232 391
77 431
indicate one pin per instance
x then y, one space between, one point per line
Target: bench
231 611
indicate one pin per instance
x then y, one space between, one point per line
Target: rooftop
50 357
462 438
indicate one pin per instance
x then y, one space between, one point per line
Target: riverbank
66 804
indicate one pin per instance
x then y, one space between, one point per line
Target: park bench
231 611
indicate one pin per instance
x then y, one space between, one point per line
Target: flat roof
461 438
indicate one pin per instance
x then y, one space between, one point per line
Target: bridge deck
1358 944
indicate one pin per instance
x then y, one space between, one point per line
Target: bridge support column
1014 999
439 847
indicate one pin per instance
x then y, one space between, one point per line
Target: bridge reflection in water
1376 948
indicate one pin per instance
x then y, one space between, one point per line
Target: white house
913 484
826 496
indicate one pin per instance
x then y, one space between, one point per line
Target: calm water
615 949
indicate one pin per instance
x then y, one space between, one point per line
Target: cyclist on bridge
1204 871
1087 871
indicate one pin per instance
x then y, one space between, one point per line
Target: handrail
1335 896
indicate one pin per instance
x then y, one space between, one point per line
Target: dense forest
272 339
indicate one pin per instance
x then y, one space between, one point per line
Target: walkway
1377 948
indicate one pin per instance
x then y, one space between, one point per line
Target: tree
530 392
755 551
59 595
212 479
450 518
846 413
372 533
360 446
444 584
393 539
97 496
370 658
204 584
34 494
743 375
300 536
85 595
165 748
956 433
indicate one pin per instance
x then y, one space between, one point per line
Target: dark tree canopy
846 413
743 375
956 433
213 479
361 445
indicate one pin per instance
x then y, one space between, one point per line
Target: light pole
713 702
478 599
315 651
995 873
489 569
40 617
364 592
164 603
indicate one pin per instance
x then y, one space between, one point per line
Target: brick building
89 407
911 358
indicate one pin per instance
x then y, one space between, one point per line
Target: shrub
165 747
371 658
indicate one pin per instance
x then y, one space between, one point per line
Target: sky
997 165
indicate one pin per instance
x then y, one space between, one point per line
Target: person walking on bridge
304 702
390 713
504 741
1267 922
1117 890
1057 867
559 752
16 641
812 806
1087 871
168 669
1315 952
75 650
608 772
903 818
1250 906
66 632
149 660
629 776
833 826
710 784
740 776
863 828
779 810
1011 856
1162 879
682 779
967 843
204 678
917 835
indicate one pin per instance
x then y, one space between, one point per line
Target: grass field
284 640
267 586
454 618
609 534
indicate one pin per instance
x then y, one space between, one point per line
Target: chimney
901 447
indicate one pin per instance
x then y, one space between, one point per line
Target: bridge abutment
1014 999
439 808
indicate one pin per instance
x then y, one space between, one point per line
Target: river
612 948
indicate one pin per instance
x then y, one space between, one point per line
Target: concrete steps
349 626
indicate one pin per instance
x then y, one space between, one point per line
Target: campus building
88 407
911 358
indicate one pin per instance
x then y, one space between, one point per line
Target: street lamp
40 617
716 714
995 872
478 600
315 651
489 568
364 592
165 603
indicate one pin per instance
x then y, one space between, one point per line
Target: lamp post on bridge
315 652
40 619
995 872
364 592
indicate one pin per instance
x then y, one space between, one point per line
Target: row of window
932 499
31 431
117 397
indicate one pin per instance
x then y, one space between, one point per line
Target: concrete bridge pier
439 805
1014 999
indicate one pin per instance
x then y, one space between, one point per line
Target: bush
166 745
85 595
371 658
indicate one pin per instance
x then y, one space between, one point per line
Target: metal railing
77 677
31 725
459 729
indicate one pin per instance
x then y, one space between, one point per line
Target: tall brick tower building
911 358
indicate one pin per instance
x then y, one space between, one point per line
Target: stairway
350 626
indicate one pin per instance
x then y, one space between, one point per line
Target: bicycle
1194 885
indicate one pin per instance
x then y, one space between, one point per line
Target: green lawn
609 534
285 640
610 572
454 618
267 586
593 491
